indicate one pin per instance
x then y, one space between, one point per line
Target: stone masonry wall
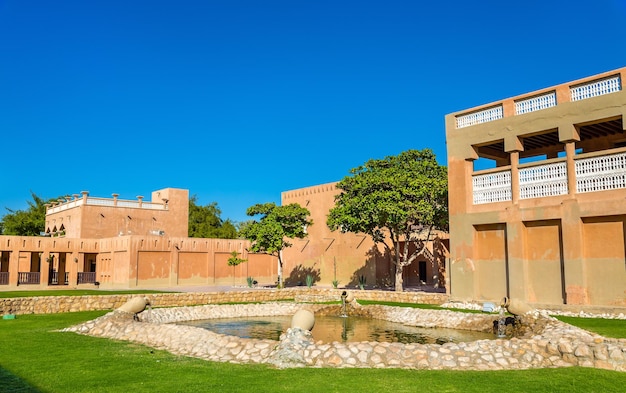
57 304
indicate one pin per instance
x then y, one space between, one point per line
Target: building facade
347 257
124 244
545 221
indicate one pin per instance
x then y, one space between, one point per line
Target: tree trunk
280 269
399 284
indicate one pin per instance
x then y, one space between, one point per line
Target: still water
334 328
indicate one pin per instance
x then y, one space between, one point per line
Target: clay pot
303 319
135 305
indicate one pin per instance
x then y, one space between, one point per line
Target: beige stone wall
57 304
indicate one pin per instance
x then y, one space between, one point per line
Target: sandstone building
331 255
546 222
125 244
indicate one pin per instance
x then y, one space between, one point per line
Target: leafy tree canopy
29 222
205 221
397 201
277 224
234 259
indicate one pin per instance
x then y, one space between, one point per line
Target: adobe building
125 244
546 222
331 255
115 243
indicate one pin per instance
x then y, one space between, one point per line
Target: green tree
205 221
234 259
277 224
398 201
29 222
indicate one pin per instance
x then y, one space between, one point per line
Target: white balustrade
486 115
601 173
64 206
596 88
100 202
543 180
153 206
106 202
535 103
132 204
491 187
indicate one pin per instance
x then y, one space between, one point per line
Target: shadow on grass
10 383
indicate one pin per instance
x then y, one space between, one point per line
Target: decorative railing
64 206
106 202
597 173
543 180
535 103
530 103
28 278
86 277
4 278
492 187
483 116
596 88
601 173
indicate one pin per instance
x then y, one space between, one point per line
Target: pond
341 329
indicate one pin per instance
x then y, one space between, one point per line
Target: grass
71 292
416 305
36 357
615 328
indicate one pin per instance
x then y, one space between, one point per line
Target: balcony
28 278
537 101
594 172
86 277
57 278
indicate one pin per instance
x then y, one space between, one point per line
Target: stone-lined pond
341 329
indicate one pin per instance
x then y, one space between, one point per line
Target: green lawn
35 357
615 328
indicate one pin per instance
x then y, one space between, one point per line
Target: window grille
484 116
601 173
535 103
491 187
543 180
596 88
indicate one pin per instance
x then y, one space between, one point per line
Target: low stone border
545 341
58 304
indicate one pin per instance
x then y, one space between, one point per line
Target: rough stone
545 341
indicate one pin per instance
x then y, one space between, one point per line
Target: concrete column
575 270
44 269
514 176
570 152
14 267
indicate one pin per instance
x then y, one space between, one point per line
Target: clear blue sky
238 100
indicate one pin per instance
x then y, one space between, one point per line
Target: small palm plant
309 280
362 281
